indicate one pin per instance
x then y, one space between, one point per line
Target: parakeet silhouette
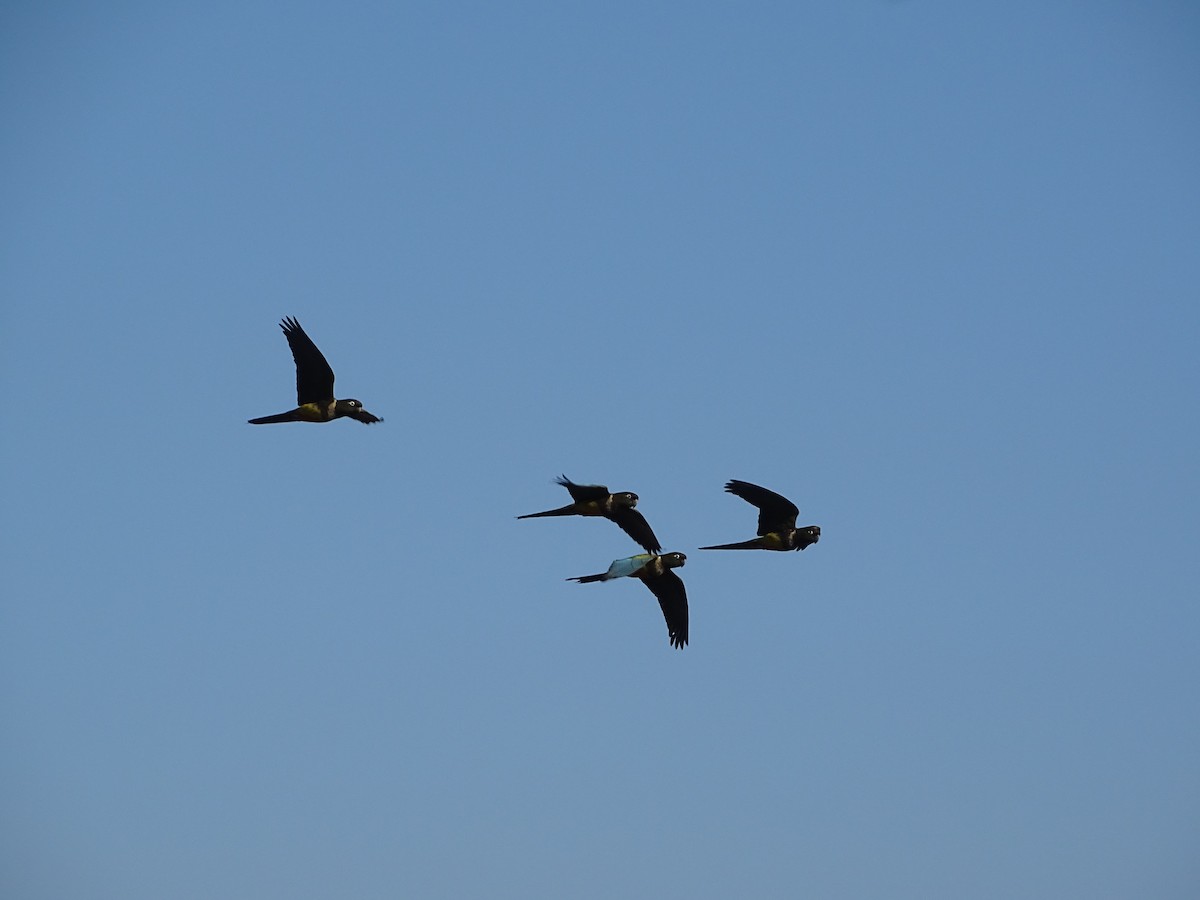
776 521
595 500
314 385
655 572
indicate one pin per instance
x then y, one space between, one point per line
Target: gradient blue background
927 268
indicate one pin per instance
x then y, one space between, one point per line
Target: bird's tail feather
561 511
754 544
271 420
587 579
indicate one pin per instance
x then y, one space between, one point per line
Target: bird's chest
317 412
652 569
779 540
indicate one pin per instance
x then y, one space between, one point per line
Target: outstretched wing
634 524
672 599
583 493
775 513
314 377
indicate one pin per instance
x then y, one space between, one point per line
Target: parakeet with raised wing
314 385
776 521
596 500
655 572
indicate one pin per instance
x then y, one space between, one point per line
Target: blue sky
927 270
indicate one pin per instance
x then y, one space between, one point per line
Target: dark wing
583 493
672 598
634 524
775 513
314 377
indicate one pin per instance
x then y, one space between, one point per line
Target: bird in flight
314 385
776 521
655 572
595 500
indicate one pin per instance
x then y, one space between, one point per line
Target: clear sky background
927 268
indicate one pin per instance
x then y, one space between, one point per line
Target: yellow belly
312 412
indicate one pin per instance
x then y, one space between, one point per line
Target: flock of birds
777 529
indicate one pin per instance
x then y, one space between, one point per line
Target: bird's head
354 410
673 560
807 535
626 498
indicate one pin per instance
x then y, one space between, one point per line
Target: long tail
755 544
271 420
567 510
587 579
